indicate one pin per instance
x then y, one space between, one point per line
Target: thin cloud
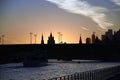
97 14
117 2
84 28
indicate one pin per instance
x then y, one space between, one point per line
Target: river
16 71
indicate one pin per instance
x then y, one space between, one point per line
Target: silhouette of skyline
19 18
105 49
107 37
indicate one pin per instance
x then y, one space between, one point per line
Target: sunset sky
70 17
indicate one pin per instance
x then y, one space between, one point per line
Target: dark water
15 71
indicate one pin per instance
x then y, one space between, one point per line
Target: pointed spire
80 41
93 38
42 39
50 34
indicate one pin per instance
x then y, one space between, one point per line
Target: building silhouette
102 37
97 40
51 39
116 37
93 38
88 41
108 35
80 40
42 40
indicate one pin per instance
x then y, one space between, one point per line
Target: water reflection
53 69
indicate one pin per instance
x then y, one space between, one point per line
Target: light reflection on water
15 71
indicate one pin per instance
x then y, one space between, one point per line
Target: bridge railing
99 74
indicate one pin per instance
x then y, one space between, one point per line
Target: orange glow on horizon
25 39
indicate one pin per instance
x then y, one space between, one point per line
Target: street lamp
31 37
59 37
3 39
35 37
0 40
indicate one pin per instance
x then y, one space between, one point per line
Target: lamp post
31 37
59 37
35 37
3 39
0 40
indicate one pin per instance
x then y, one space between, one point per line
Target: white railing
99 74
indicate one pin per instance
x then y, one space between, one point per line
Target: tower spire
80 41
42 40
93 38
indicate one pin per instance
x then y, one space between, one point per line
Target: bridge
16 53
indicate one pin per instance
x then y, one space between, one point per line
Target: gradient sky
70 17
